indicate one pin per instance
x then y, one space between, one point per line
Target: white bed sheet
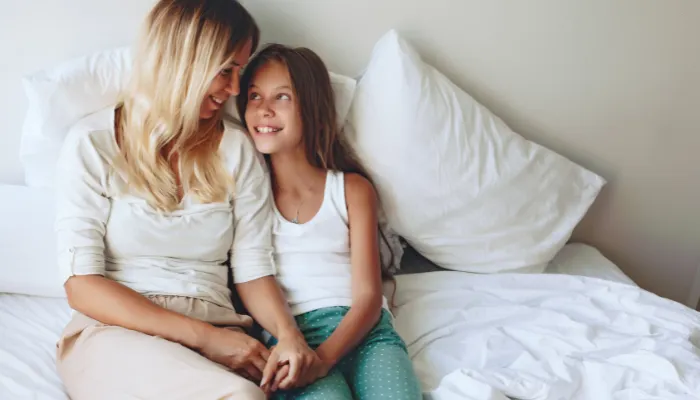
29 329
548 336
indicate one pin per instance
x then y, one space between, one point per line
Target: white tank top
313 258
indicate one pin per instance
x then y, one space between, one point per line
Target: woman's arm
112 303
251 258
366 272
81 215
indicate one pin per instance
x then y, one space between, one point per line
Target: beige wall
613 85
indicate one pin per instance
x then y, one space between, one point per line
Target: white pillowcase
58 98
27 242
62 95
460 186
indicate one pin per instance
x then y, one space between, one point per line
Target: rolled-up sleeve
251 254
82 207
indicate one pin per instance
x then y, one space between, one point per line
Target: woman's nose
234 86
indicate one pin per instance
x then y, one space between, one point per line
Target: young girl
326 234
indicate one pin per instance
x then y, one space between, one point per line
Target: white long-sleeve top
182 253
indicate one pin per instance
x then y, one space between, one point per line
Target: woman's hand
289 364
316 371
236 350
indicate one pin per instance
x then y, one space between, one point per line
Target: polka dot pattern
378 368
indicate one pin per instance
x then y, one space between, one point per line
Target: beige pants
97 361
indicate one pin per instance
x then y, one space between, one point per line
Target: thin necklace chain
296 217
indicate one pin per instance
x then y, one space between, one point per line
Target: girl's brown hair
324 144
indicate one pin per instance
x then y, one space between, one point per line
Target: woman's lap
97 361
109 362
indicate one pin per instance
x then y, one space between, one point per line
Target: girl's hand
291 357
236 350
280 375
317 371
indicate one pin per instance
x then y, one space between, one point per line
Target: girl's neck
291 171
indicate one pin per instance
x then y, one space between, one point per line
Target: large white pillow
27 242
457 183
60 96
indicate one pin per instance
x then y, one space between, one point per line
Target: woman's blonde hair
184 44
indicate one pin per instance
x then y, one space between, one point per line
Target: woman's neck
291 171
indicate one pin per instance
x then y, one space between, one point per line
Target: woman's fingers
253 372
259 363
269 369
264 352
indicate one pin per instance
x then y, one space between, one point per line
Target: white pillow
27 242
62 95
58 98
461 187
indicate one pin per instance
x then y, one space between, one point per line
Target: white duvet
470 336
552 337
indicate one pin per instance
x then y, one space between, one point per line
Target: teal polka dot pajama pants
378 368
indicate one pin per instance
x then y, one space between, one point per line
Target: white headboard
614 86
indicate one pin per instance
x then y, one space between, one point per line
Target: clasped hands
292 364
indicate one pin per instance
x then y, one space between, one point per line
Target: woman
153 195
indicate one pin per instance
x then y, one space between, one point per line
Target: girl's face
225 84
272 114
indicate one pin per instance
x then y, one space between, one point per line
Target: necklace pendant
295 220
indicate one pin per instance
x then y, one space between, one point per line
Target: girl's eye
283 96
226 71
253 96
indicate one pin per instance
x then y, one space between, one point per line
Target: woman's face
225 84
272 114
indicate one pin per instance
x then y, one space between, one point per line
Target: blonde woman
155 195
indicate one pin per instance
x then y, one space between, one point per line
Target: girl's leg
380 367
317 326
332 387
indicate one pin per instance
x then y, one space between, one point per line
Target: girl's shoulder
356 181
359 191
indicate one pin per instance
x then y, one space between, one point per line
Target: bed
582 330
511 311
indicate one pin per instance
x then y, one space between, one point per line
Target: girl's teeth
267 129
217 101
